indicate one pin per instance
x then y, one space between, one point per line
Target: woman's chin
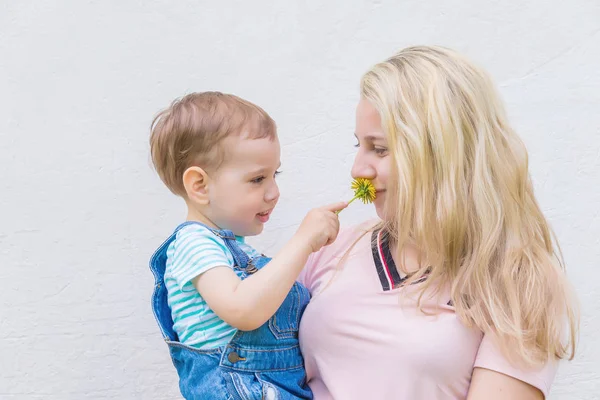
380 210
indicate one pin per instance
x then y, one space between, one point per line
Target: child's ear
195 182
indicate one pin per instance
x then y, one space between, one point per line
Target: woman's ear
195 182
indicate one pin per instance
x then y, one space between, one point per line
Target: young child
229 315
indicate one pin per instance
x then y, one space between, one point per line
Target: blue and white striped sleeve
195 251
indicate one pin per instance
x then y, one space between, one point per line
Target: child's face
372 160
243 192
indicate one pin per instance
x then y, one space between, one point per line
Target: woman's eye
380 150
277 173
258 179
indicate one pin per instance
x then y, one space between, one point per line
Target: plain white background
81 209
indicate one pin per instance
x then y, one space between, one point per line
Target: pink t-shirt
363 337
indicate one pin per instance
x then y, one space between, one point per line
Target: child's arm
249 303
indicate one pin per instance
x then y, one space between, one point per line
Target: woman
459 291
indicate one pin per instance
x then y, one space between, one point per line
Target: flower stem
354 198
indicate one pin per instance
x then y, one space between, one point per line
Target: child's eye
277 173
258 179
357 145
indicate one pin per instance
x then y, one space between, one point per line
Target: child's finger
339 206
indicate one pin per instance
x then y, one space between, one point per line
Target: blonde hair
189 131
462 194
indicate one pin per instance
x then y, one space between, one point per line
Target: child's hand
320 226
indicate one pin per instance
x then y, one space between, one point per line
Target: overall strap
241 259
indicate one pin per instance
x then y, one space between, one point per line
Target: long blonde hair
462 195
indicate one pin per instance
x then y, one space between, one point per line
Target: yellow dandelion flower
363 190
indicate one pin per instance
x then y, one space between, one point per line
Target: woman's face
372 160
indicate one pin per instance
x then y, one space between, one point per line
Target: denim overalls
265 363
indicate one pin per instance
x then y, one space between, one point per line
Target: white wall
81 210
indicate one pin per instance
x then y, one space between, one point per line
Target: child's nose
272 193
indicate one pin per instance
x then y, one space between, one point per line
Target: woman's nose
362 168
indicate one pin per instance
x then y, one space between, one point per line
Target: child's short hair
188 133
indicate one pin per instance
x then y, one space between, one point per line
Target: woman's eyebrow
370 137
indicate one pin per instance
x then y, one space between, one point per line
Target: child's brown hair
189 131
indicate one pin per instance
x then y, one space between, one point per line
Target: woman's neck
407 261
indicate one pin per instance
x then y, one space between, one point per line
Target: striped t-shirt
194 251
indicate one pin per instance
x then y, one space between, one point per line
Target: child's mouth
263 216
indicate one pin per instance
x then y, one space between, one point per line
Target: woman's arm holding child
249 303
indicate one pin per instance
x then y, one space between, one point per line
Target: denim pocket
285 385
286 321
243 386
270 392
